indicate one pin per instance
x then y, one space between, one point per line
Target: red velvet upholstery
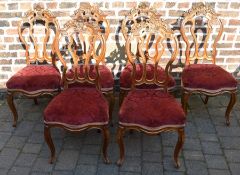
151 108
106 77
208 77
34 78
125 77
76 107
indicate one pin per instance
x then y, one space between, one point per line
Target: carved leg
185 97
120 134
111 106
179 146
230 106
48 139
35 101
122 94
105 133
12 108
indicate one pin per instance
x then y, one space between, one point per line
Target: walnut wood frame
189 17
144 12
91 14
158 28
31 16
91 30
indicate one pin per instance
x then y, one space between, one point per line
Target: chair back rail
211 17
32 19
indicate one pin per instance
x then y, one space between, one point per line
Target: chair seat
151 109
106 77
77 107
126 81
35 78
207 77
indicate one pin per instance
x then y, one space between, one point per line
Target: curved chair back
203 18
37 31
82 39
148 41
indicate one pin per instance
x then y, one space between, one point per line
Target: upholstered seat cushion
126 81
35 78
106 77
207 77
151 109
76 107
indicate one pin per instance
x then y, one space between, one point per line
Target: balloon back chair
201 75
135 16
91 14
79 108
38 77
151 110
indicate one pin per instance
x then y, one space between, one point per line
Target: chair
150 111
206 79
135 16
91 14
37 78
79 108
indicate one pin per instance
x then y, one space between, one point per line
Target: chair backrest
91 14
204 18
37 31
82 39
149 39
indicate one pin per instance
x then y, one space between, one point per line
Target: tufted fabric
207 77
77 107
34 78
125 77
151 108
106 77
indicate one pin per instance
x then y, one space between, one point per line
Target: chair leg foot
231 103
48 139
12 108
179 146
35 101
120 134
105 133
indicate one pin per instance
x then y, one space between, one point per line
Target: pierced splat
150 37
40 45
86 37
203 18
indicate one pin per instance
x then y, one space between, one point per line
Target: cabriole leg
178 147
232 102
120 134
12 108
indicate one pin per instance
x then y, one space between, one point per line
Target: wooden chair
152 110
207 79
136 16
79 108
36 79
91 14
